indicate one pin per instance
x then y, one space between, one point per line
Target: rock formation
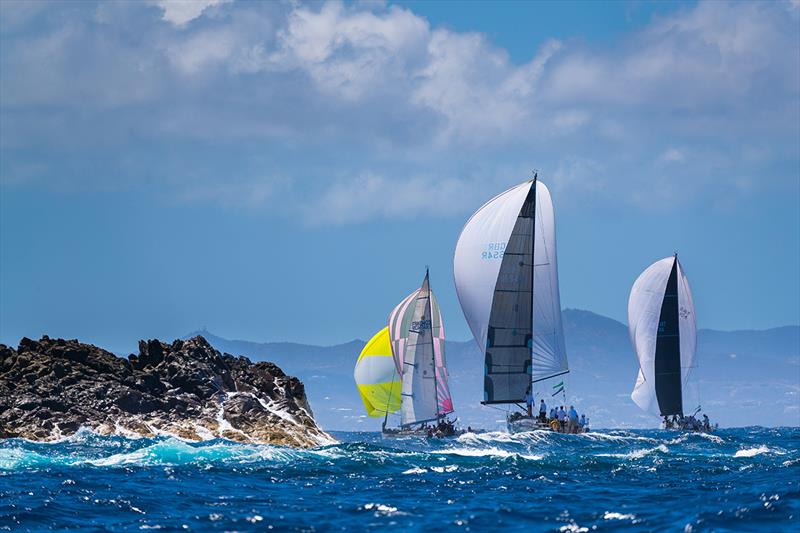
50 388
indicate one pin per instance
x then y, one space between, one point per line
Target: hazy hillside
744 377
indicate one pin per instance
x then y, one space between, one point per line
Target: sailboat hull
526 424
396 433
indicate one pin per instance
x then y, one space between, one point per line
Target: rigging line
389 399
433 346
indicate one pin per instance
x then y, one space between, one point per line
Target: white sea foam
592 435
14 458
443 469
752 452
636 454
713 438
573 528
490 436
610 515
486 452
415 470
380 509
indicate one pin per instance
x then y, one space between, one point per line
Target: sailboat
663 330
417 385
506 277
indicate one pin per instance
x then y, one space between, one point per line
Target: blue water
739 479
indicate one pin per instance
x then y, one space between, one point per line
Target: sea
745 479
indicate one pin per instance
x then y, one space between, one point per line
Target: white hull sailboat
418 382
506 277
663 330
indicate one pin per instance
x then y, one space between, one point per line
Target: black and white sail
507 282
663 331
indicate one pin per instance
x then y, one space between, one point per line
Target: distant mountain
743 377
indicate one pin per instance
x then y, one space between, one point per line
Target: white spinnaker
477 262
478 256
549 351
644 310
688 327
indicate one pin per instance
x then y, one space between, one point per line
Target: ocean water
734 480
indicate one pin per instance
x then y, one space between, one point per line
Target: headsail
399 322
663 331
507 282
425 390
376 376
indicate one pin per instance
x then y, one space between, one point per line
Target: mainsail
417 335
663 331
507 283
376 376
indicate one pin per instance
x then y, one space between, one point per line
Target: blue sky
285 171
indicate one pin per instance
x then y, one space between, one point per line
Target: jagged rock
52 387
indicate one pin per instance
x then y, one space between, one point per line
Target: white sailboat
663 329
506 276
415 339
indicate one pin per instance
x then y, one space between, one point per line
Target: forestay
506 249
663 331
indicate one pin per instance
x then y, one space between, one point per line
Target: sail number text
494 250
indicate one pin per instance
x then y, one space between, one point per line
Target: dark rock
52 387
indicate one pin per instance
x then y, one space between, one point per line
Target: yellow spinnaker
376 376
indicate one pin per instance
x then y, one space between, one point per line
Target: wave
759 450
487 452
369 451
636 454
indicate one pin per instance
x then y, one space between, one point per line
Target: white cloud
181 12
369 196
376 92
349 53
716 54
203 49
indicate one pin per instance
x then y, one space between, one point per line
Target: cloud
672 155
393 107
181 12
368 196
351 53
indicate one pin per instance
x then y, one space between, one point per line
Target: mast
433 348
533 269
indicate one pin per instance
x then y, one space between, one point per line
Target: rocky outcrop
50 388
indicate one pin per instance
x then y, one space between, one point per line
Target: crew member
529 401
573 419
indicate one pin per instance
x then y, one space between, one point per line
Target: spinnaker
506 276
663 331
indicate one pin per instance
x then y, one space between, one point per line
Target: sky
286 170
